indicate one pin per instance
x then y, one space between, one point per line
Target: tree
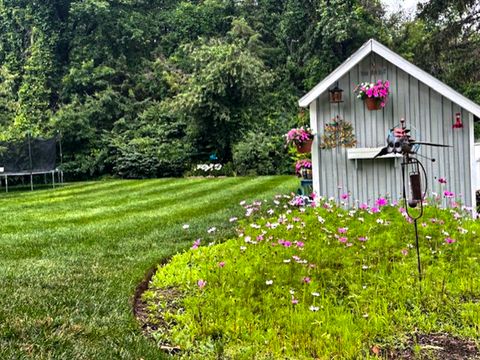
221 93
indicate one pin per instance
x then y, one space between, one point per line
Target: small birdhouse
336 94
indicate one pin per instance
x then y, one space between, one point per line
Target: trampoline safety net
29 155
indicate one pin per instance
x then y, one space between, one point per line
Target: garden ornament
399 141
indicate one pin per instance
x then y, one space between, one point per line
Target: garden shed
433 111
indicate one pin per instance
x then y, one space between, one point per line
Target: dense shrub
260 154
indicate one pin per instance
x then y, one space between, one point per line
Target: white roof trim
374 46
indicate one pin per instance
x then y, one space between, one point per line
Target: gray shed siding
428 114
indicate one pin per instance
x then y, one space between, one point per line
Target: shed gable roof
375 47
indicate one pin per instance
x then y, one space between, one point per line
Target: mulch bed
170 298
435 346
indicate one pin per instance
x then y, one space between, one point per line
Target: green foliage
222 68
156 146
326 282
260 153
444 40
220 95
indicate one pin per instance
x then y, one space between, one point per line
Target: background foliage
147 88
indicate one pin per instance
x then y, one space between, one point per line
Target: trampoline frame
33 172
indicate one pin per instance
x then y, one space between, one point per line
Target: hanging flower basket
301 138
374 94
373 104
303 168
305 147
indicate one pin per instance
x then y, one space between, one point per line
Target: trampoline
30 157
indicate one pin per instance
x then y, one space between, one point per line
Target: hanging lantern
458 121
336 94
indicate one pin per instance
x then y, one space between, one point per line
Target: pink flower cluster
302 164
379 90
299 136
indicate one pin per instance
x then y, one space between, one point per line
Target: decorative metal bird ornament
399 141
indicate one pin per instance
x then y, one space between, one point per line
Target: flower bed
321 282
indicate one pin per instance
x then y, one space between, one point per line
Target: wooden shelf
368 153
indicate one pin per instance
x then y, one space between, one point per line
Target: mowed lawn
71 258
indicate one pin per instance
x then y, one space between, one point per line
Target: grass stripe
67 280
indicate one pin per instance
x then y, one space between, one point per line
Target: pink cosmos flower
300 244
363 206
196 244
375 210
201 283
449 240
442 180
287 243
294 301
448 194
221 264
404 252
381 202
344 196
362 238
306 280
343 239
342 230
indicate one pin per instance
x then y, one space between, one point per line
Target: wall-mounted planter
306 147
373 104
